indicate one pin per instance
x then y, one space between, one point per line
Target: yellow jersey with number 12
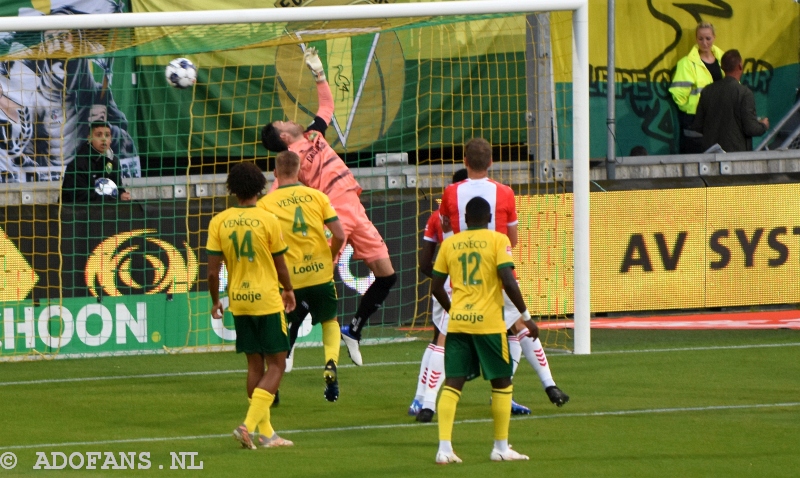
302 213
247 238
472 258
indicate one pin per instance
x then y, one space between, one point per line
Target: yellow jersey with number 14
472 258
302 213
247 238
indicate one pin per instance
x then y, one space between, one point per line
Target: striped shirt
499 196
433 228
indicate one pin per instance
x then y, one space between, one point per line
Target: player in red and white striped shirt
524 337
431 370
321 168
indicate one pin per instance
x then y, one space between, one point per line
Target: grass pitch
644 403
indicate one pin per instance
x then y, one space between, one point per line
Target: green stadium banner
153 126
651 37
117 326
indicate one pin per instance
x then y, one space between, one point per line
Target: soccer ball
105 187
181 73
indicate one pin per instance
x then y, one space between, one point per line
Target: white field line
377 364
181 374
611 413
34 356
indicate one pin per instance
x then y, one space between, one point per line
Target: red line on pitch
784 319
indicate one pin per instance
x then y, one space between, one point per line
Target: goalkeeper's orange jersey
321 167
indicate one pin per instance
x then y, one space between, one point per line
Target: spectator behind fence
694 72
94 160
638 151
726 114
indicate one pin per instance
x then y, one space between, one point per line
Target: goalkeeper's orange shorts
368 245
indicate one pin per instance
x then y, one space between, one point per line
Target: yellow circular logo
111 261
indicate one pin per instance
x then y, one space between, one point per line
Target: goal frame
580 82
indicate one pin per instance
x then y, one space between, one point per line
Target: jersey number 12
467 259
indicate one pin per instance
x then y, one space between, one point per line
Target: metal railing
777 129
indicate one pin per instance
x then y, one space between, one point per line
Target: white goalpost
580 81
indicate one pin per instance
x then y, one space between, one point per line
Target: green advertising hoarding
117 326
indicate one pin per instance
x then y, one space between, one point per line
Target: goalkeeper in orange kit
321 168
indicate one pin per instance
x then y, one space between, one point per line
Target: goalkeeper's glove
314 64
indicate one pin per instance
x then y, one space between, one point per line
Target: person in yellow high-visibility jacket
694 72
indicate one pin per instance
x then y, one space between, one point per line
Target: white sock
435 377
501 445
423 374
445 446
289 362
515 351
536 357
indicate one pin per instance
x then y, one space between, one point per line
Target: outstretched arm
325 101
324 94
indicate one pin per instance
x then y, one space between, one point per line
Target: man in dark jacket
726 114
93 160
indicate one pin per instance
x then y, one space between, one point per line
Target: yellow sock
259 409
501 411
331 338
265 426
446 408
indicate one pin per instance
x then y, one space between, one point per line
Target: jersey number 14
245 249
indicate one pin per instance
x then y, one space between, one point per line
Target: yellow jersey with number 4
472 258
302 213
248 237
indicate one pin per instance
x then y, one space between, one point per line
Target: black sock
294 331
295 319
371 301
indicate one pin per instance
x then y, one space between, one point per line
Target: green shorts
261 334
318 300
467 355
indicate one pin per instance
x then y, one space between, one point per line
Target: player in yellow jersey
249 240
480 267
303 213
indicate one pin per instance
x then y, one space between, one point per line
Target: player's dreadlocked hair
271 139
246 180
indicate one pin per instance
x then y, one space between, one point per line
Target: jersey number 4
299 224
466 260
